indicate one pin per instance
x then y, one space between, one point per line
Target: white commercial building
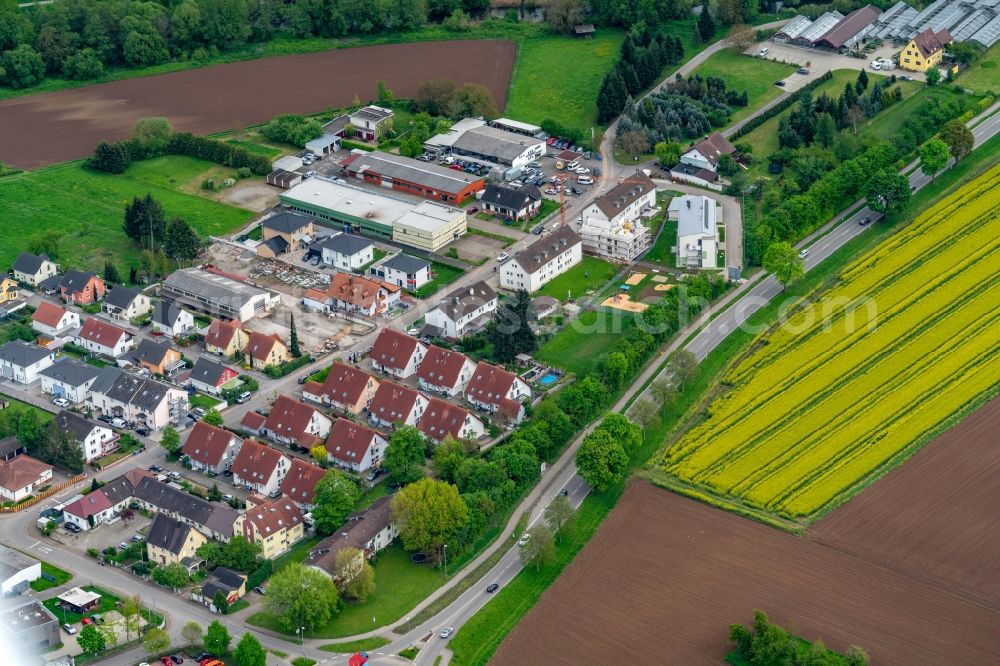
17 570
498 146
543 260
430 226
697 230
611 226
218 294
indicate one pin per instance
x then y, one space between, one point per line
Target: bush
93 552
292 129
82 65
260 575
243 172
279 371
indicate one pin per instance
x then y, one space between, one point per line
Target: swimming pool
550 378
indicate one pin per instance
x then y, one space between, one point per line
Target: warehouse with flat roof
218 294
430 226
406 174
499 146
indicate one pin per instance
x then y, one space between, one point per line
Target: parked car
243 397
166 661
72 527
780 84
876 65
61 402
597 171
123 545
86 620
176 476
503 256
177 659
136 538
227 498
473 210
155 469
763 52
904 77
447 632
105 418
119 423
227 472
492 587
143 431
259 590
374 475
69 628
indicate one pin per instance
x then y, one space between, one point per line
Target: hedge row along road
39 130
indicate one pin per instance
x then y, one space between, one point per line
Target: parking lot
818 62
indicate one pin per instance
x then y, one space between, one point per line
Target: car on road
525 538
259 590
155 469
802 70
780 84
143 431
61 402
804 253
69 628
564 492
447 631
492 587
865 222
503 256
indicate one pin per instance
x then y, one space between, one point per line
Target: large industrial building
473 138
412 176
218 294
430 226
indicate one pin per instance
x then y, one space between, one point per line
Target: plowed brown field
54 127
665 575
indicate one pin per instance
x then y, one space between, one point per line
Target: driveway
819 62
731 217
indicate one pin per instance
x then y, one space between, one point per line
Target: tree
156 641
887 192
46 242
958 137
706 25
826 130
83 64
355 575
191 631
319 454
539 549
643 412
172 576
170 440
334 499
856 656
21 67
221 602
855 116
612 96
784 261
152 134
564 15
109 157
633 143
214 494
430 514
91 640
683 365
448 457
385 96
741 36
727 166
510 331
862 82
664 392
933 157
301 597
558 513
293 339
109 634
131 607
217 638
404 457
144 221
181 241
411 146
213 417
249 652
111 273
933 76
239 553
668 152
601 460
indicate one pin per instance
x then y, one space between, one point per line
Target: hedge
759 120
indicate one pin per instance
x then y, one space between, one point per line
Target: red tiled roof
220 333
101 332
714 146
930 42
253 420
290 418
299 484
207 443
393 402
489 384
345 383
256 462
22 471
48 314
393 349
356 290
442 418
89 505
348 442
260 344
441 367
272 516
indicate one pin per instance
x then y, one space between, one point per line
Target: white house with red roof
210 448
396 353
442 418
355 447
395 403
300 482
345 388
53 321
445 371
102 337
498 391
20 477
259 468
291 421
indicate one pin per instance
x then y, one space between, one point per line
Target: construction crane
562 205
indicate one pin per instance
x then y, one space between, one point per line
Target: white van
876 65
763 52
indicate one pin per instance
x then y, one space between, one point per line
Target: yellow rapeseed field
909 337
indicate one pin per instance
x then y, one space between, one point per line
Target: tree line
44 441
642 57
767 644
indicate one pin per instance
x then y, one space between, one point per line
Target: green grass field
365 644
558 77
984 74
887 123
578 346
61 578
87 208
443 276
590 274
740 72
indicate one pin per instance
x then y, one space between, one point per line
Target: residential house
345 388
463 310
210 448
210 377
224 295
53 321
354 447
346 252
140 400
263 350
96 439
512 204
612 225
405 271
274 524
355 295
370 121
29 626
170 541
259 468
22 362
33 269
126 303
697 230
104 338
542 261
925 50
9 290
106 503
70 379
706 153
395 403
397 354
17 571
20 477
498 391
442 419
230 582
369 531
159 358
172 320
81 288
445 371
252 422
212 519
226 338
300 483
284 232
294 422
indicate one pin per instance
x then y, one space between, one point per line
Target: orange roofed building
345 388
354 294
225 338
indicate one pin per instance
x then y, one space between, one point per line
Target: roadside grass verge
61 578
363 645
740 72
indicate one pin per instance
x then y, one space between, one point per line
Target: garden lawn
106 604
43 415
589 275
443 276
661 252
740 72
984 74
87 208
203 401
399 586
558 77
579 345
61 578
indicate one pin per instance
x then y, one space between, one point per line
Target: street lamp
446 560
302 641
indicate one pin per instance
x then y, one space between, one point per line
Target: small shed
79 600
324 145
584 31
287 163
524 360
284 179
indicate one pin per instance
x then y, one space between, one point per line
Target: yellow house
8 290
925 50
225 338
170 541
274 524
264 350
